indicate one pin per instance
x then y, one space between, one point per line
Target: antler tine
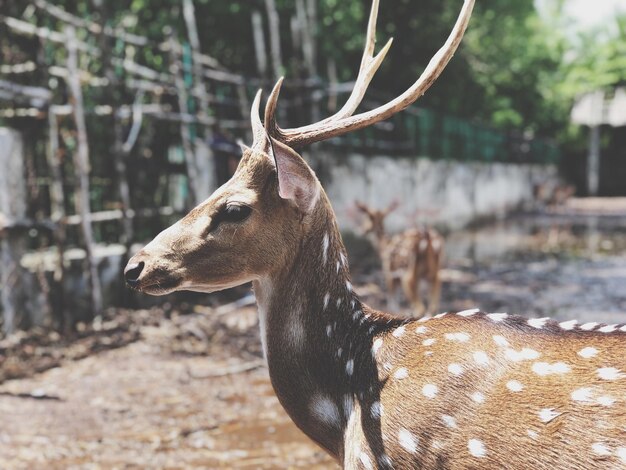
258 131
368 68
334 127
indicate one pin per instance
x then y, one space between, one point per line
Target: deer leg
435 295
411 286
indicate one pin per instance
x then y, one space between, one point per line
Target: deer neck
315 331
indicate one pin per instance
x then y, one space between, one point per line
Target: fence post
82 169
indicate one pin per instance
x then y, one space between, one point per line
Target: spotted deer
407 258
458 390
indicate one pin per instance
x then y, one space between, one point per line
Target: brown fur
407 258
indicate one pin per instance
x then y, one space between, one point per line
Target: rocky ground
186 388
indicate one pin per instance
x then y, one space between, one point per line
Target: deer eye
235 213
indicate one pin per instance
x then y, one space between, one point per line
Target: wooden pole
593 161
82 168
185 128
274 29
259 43
194 41
57 216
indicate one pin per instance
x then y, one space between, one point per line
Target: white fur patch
366 461
428 342
478 397
376 410
325 410
455 368
429 390
481 358
538 322
497 317
350 366
421 330
548 414
600 449
401 373
545 368
588 352
407 440
608 329
621 453
606 400
500 341
476 448
460 337
449 421
378 343
526 354
326 300
589 326
582 395
514 386
325 244
468 313
610 373
399 331
568 325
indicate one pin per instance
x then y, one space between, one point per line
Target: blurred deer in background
464 390
407 258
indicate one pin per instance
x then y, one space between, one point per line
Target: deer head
251 226
375 221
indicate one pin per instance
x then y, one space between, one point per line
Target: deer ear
296 180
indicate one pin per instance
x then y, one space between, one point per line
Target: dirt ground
189 390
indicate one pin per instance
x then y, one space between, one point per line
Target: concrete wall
446 193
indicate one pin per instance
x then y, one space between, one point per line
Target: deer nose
132 273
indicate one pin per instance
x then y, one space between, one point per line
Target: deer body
464 390
407 258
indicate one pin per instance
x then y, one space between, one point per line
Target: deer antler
343 121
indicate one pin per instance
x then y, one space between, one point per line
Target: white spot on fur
456 369
478 397
378 343
500 341
376 410
538 322
481 358
606 400
385 461
398 331
428 353
532 434
349 286
325 247
526 354
608 329
344 260
325 410
429 390
329 330
623 328
339 352
589 326
338 303
588 352
476 448
350 366
428 342
545 368
449 421
568 325
600 449
582 394
348 406
497 317
548 414
610 373
621 453
326 300
514 386
401 373
441 315
421 330
366 461
460 337
338 266
407 440
468 313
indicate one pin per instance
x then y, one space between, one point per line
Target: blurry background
117 117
